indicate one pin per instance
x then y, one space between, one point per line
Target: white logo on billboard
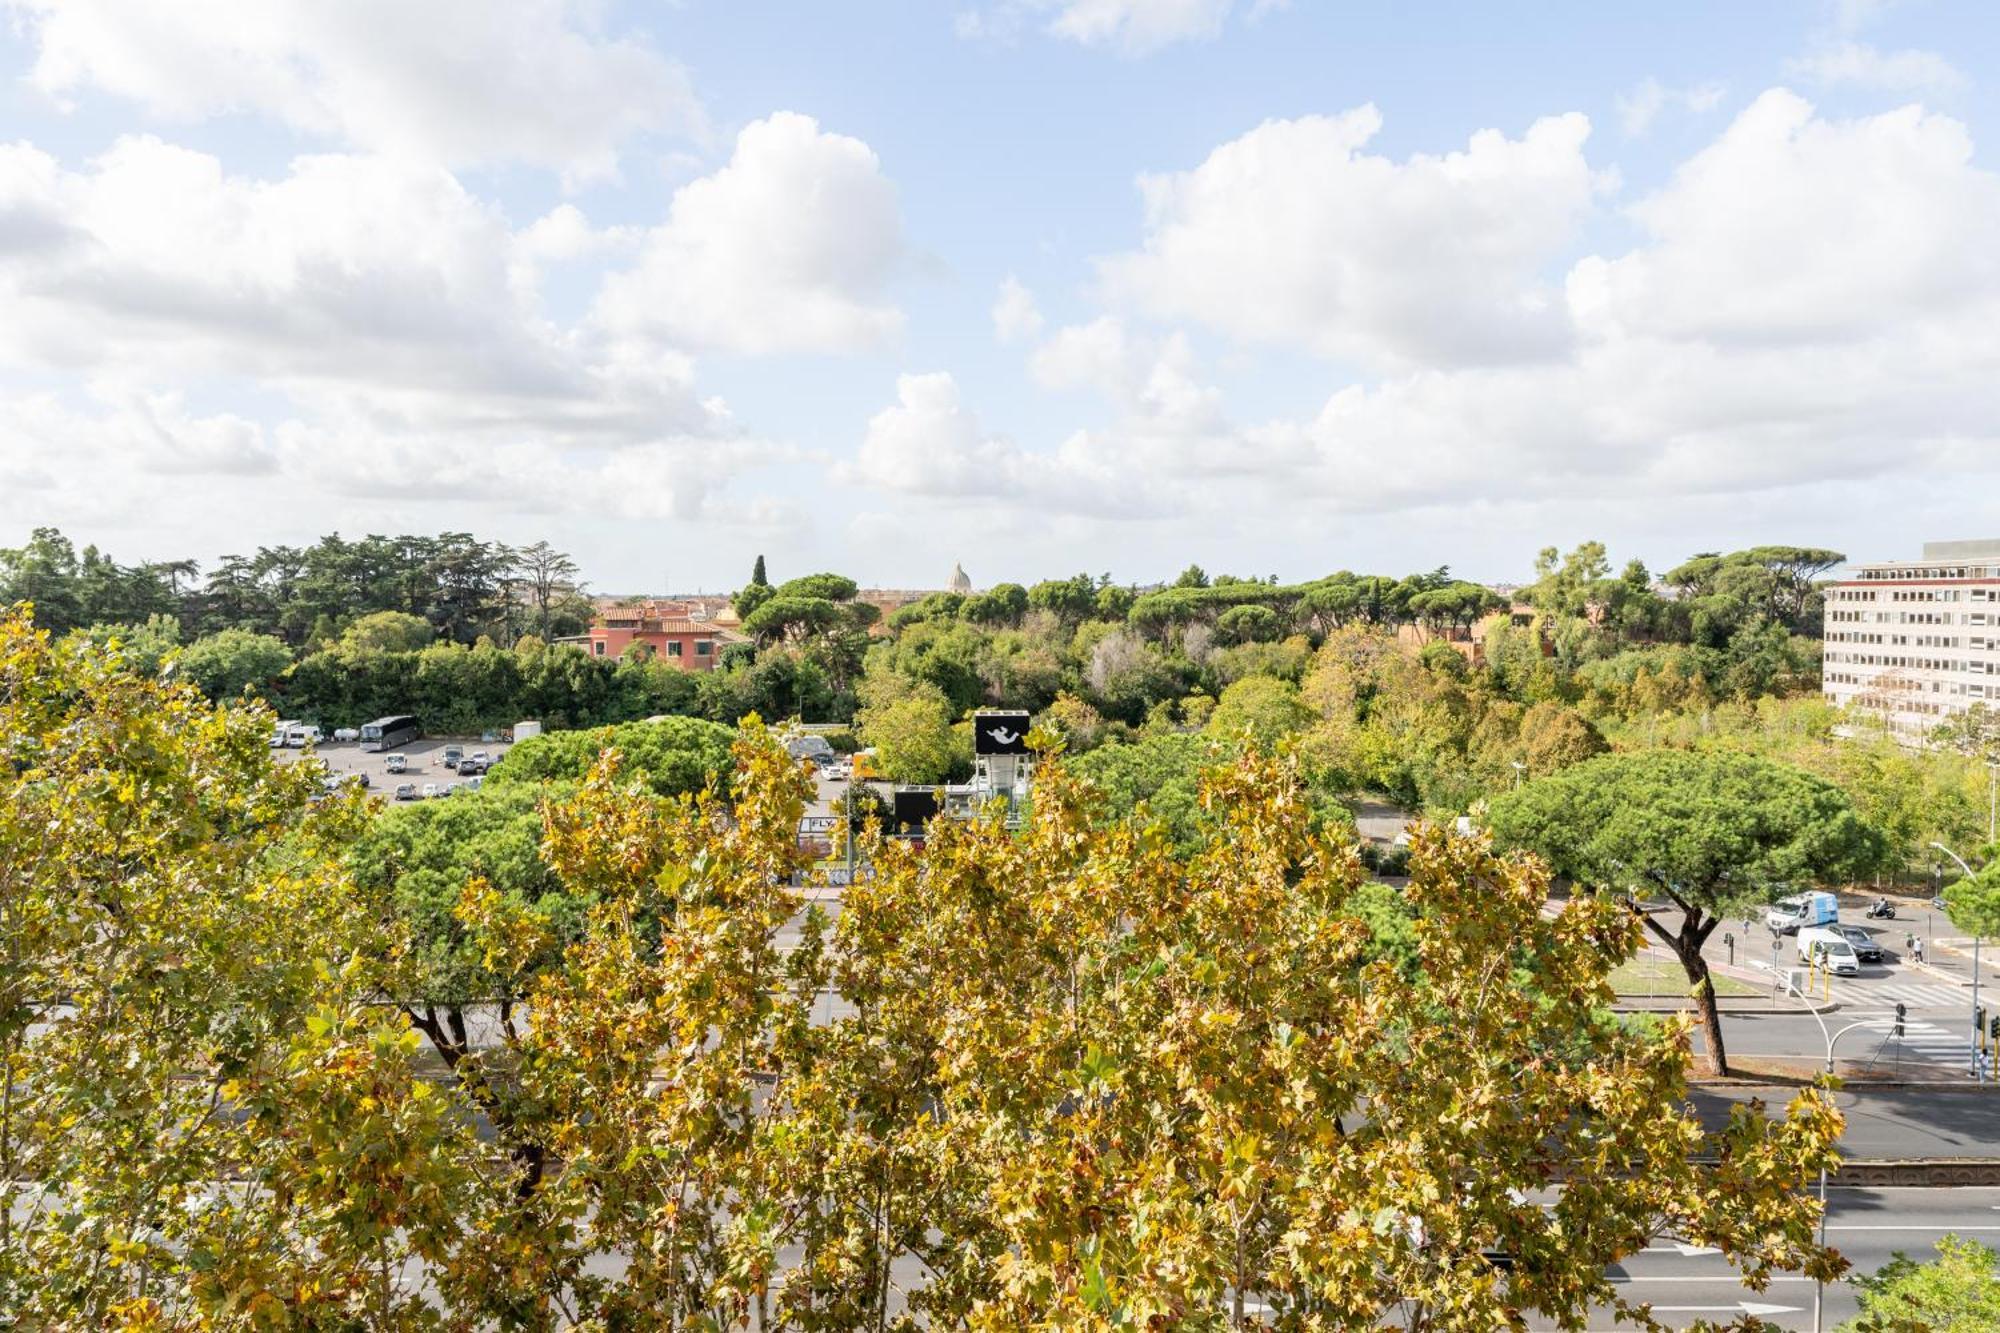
1004 736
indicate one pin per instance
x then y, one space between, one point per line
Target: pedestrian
1917 949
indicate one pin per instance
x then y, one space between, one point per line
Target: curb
1919 1171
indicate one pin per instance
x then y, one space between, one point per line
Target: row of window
1912 640
1914 663
1913 595
702 647
1956 572
1908 618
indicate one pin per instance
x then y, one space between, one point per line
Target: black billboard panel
999 733
910 808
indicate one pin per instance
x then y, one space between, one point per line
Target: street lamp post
1832 1039
1978 1074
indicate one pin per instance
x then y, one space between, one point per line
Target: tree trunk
1696 927
1711 1016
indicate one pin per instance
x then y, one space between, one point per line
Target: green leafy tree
1249 624
757 575
1260 709
671 757
1713 833
191 1077
1070 600
387 632
1153 1072
1974 904
821 587
419 859
1554 736
1156 779
227 663
1957 1292
146 647
913 737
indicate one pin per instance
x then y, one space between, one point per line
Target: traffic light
1899 1019
1993 1027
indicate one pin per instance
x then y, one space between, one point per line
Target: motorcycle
1882 910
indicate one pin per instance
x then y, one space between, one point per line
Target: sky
1038 286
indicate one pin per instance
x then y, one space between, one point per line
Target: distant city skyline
1040 286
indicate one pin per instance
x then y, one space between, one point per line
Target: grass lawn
1663 976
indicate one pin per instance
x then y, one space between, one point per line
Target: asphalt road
1868 1226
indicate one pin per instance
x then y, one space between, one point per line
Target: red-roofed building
665 627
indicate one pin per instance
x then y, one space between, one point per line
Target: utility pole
1832 1039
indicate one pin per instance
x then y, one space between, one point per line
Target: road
1868 1226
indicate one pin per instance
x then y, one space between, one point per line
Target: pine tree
757 574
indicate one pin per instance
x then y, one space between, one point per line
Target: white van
1802 911
1830 950
299 736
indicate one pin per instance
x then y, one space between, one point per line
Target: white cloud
1794 228
1642 105
1139 26
1154 382
361 279
1292 234
373 329
928 443
1016 317
1864 66
789 247
1130 27
1810 305
458 82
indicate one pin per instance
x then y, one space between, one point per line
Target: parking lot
426 762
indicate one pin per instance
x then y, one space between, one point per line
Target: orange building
666 628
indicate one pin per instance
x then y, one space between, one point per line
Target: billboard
999 733
912 808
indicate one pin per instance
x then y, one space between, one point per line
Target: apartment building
1913 642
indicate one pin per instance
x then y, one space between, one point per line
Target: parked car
470 767
452 754
300 736
406 791
397 763
1817 944
473 785
431 792
1864 945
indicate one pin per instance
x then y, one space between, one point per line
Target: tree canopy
672 756
1957 1292
1077 1080
1710 831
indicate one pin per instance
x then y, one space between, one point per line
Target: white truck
1802 911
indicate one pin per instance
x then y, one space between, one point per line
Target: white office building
1916 641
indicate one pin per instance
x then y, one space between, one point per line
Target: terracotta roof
641 625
